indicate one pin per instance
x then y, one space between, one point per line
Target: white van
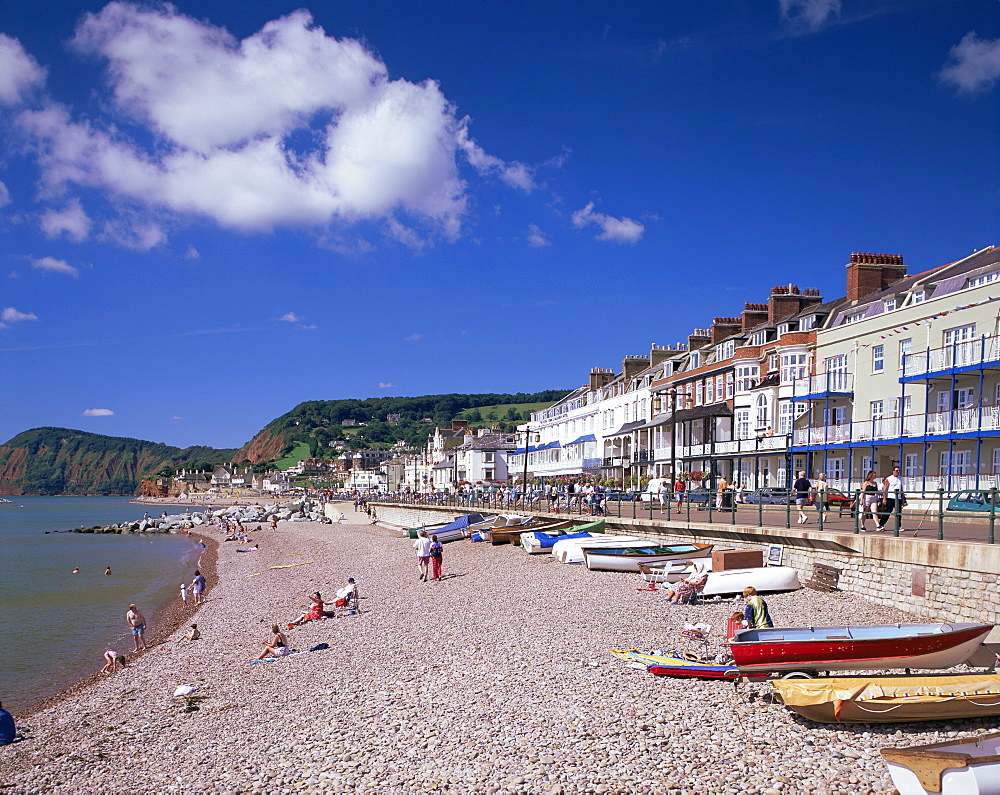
652 491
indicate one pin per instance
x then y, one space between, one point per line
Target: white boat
672 570
570 550
766 578
963 766
615 558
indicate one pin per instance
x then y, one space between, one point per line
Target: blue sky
210 212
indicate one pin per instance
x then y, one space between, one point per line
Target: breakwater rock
299 511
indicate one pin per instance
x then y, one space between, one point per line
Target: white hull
767 578
598 562
673 570
571 550
974 767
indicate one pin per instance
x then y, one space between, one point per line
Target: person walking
721 497
892 487
664 494
801 488
437 555
822 504
184 593
198 587
423 547
679 492
869 500
137 623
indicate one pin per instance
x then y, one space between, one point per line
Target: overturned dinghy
765 579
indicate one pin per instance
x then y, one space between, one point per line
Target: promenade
495 680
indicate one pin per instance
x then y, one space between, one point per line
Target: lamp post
673 436
524 479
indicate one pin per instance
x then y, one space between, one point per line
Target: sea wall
935 580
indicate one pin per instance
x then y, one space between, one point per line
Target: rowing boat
892 699
765 579
627 558
857 648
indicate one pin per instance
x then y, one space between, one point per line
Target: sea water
56 625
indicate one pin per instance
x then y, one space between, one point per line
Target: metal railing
975 418
962 353
964 514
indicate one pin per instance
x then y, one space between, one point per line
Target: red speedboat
860 648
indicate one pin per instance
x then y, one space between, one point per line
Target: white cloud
130 231
385 385
974 65
413 337
287 127
175 417
809 15
192 253
19 72
9 315
53 265
515 174
290 317
4 195
536 237
614 230
98 413
71 220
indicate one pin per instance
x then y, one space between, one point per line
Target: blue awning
588 438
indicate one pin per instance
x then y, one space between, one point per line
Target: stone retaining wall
933 580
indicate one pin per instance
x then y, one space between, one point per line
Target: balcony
822 384
964 355
968 420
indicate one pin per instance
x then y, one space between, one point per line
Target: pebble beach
495 680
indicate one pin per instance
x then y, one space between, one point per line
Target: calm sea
56 625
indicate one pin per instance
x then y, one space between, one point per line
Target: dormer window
890 305
853 318
918 297
807 323
695 360
725 350
984 278
759 338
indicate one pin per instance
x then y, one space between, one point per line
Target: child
112 660
184 593
755 615
193 633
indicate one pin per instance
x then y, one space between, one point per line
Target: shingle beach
497 679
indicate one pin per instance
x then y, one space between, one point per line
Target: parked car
974 501
617 494
700 495
837 499
768 496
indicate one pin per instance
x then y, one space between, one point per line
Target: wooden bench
824 578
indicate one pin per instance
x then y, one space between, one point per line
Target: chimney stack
753 315
699 338
633 365
600 377
723 327
869 273
659 354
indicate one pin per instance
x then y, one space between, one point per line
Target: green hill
380 422
64 461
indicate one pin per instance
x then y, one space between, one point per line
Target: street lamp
527 439
673 435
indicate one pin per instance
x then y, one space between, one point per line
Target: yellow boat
892 699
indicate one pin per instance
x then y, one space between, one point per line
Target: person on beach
184 593
869 500
107 571
76 570
423 547
137 622
802 487
8 731
112 659
274 522
755 614
346 594
277 646
192 634
688 588
198 587
437 556
314 613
